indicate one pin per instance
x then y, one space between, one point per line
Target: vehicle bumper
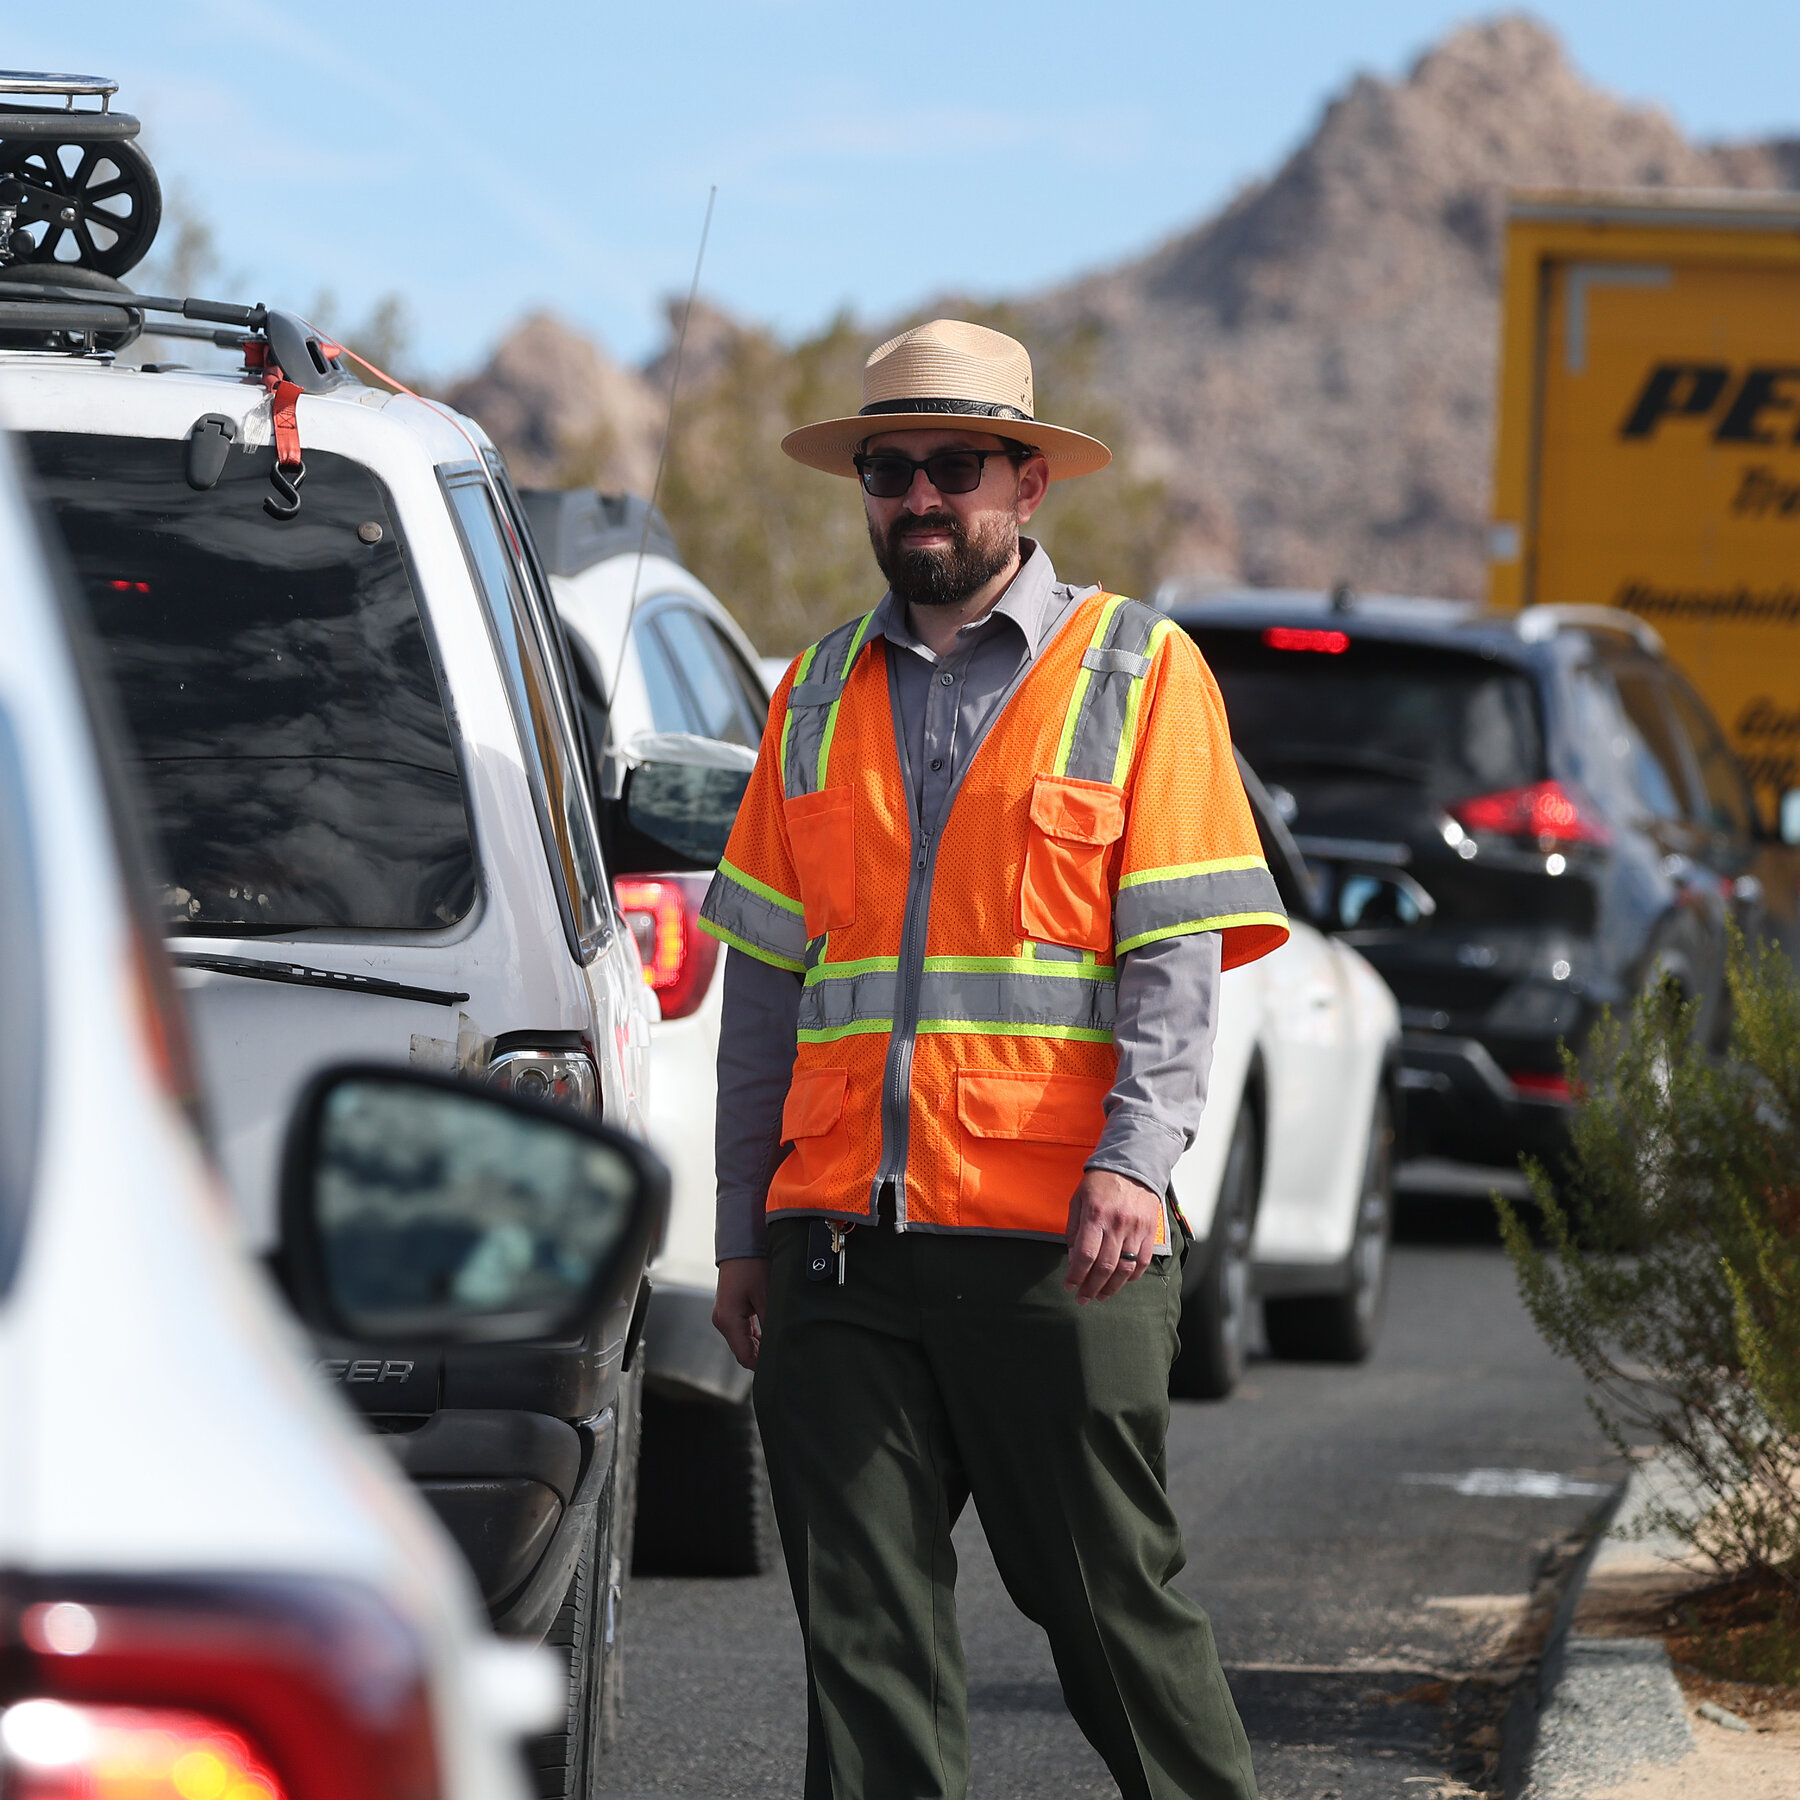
1461 1106
684 1355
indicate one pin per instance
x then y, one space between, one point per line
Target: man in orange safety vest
992 860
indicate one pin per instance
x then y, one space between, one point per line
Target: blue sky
485 159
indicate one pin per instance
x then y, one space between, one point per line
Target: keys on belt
825 1241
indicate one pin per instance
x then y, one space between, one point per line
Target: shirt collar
1032 602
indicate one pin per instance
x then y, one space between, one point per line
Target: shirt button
948 680
937 762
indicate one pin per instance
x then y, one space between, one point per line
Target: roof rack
309 360
75 191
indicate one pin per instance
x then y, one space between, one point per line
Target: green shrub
1670 1268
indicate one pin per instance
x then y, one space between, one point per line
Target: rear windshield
276 683
1452 723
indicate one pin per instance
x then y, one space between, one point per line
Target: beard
945 575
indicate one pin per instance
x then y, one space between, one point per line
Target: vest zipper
896 1102
896 1093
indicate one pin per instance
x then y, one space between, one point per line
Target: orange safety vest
956 1022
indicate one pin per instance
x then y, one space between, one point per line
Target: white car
211 1580
688 675
347 703
1289 1183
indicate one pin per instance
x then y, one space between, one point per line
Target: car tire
1344 1327
703 1498
565 1763
1215 1304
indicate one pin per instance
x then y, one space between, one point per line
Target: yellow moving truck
1648 453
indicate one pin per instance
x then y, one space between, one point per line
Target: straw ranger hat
945 374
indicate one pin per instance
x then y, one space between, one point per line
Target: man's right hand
739 1305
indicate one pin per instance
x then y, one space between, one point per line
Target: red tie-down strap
290 467
287 427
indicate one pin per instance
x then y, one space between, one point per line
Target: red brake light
1533 1085
1544 811
200 1690
678 957
1287 637
53 1751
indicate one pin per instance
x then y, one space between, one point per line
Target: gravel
1615 1708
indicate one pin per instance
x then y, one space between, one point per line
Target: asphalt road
1358 1536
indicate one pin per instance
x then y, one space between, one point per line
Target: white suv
688 679
211 1581
347 701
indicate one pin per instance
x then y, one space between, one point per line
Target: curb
1600 1707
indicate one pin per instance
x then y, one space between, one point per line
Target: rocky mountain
1312 372
565 413
1308 375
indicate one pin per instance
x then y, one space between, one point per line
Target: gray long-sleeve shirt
1167 991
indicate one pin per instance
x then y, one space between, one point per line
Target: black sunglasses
887 475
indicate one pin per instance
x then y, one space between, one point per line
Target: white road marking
1512 1484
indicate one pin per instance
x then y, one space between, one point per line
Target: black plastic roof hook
285 479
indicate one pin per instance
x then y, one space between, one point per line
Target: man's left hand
1113 1222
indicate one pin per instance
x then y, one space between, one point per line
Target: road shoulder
1615 1719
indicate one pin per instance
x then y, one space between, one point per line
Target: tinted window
669 709
526 661
712 684
1654 755
1455 724
755 696
1723 792
276 685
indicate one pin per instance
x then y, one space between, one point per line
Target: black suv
1568 820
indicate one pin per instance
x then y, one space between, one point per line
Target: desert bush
1669 1267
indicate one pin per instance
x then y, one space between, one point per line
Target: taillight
1288 637
566 1076
1533 1085
54 1751
177 1690
1544 812
678 957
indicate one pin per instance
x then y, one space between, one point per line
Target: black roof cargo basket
75 190
577 527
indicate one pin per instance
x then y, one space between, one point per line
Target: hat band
972 409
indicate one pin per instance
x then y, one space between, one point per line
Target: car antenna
662 455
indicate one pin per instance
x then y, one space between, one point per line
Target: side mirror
678 799
417 1208
1364 900
1787 817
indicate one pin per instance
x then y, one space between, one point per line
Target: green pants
950 1366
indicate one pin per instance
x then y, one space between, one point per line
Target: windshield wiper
298 975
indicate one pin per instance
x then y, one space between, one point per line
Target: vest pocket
1063 895
1025 1139
812 1120
821 834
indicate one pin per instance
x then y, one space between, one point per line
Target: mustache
919 524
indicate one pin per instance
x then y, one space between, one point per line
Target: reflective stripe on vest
987 996
1100 731
813 703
